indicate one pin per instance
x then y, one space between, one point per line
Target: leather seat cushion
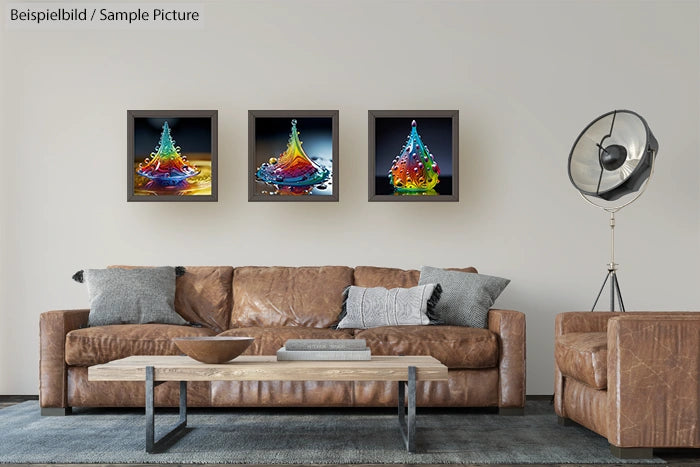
583 356
389 278
288 296
268 340
101 344
455 346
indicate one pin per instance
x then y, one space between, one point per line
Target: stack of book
324 349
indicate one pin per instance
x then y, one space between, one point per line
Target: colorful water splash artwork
293 172
414 170
167 166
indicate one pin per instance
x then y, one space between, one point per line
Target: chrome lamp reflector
612 157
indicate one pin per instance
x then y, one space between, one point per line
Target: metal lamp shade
613 156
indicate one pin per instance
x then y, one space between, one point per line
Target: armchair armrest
654 380
586 321
53 327
509 325
582 321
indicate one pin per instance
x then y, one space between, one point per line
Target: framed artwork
172 155
413 155
293 155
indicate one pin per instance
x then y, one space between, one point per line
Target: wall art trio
293 155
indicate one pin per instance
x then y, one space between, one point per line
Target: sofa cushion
101 344
203 295
455 346
288 296
268 340
372 276
584 357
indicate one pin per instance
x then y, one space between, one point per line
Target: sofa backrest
288 296
372 276
221 297
203 295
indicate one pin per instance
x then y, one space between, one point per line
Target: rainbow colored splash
167 166
414 169
293 168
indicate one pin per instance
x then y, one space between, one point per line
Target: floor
6 401
675 457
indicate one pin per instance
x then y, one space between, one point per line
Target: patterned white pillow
372 307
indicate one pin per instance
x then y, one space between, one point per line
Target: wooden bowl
213 349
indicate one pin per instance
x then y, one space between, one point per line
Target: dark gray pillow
372 307
131 296
466 297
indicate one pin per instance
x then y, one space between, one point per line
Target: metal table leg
153 445
408 427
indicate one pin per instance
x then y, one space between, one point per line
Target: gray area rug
299 436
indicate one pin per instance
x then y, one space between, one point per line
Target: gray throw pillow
131 296
372 307
466 297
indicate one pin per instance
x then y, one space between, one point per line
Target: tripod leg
612 291
619 294
601 290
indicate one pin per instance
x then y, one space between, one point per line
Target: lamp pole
612 272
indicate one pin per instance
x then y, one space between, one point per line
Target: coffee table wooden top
267 368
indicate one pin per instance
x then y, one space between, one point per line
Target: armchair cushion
583 356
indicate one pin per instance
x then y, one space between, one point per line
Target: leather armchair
633 378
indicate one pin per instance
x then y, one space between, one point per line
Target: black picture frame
195 134
388 131
269 133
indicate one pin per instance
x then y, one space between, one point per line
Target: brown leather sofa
273 304
630 377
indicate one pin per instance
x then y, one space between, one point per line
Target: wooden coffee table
154 370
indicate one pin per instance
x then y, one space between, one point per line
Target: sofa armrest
654 380
53 327
509 325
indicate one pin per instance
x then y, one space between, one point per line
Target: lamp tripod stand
612 265
612 273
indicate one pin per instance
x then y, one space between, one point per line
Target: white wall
527 76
